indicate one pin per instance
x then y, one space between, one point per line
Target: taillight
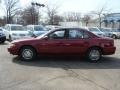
108 44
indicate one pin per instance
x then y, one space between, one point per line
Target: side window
57 35
86 35
75 34
9 28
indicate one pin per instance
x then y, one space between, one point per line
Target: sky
82 6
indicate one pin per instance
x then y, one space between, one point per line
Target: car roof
14 25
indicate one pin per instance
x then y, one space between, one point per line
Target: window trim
65 37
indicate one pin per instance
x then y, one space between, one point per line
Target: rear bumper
109 50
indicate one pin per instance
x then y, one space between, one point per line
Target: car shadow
6 43
71 63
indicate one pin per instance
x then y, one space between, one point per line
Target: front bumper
109 50
13 50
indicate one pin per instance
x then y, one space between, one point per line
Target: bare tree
30 16
73 16
51 12
101 13
11 7
86 18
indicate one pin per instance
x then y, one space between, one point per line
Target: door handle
67 44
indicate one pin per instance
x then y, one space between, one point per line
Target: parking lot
55 73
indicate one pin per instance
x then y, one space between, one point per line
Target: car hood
24 40
19 32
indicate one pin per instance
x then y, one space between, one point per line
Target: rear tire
114 37
27 53
94 55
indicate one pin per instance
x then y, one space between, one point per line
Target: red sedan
64 41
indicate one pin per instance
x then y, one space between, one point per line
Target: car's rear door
77 42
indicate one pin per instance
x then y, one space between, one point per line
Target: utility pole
34 5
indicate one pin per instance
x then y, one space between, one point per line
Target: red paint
65 46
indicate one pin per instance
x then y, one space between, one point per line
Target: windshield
17 28
115 30
94 30
39 28
41 36
106 30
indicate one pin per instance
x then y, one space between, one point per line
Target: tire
91 55
10 39
114 37
2 41
27 53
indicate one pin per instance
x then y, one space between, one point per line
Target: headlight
14 34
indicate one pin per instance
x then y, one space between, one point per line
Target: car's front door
55 42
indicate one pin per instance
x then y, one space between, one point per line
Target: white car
116 33
36 30
96 31
15 31
51 27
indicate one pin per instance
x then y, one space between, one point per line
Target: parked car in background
116 33
52 27
107 32
15 31
2 36
96 31
64 41
36 30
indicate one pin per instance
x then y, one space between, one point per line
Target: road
55 73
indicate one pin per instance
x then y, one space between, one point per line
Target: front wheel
94 54
27 53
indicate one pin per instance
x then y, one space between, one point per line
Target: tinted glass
38 28
57 35
75 34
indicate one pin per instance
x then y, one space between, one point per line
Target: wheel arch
27 46
98 47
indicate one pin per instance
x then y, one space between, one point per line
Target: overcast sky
83 6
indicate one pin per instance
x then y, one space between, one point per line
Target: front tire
94 54
10 39
27 53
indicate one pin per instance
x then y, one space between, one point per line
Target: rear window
39 28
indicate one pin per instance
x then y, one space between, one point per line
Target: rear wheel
94 54
27 53
114 37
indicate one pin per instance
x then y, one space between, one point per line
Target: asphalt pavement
59 73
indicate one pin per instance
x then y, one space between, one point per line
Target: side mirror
45 38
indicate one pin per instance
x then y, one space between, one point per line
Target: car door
55 42
77 42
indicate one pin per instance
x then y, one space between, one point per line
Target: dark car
2 36
64 41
